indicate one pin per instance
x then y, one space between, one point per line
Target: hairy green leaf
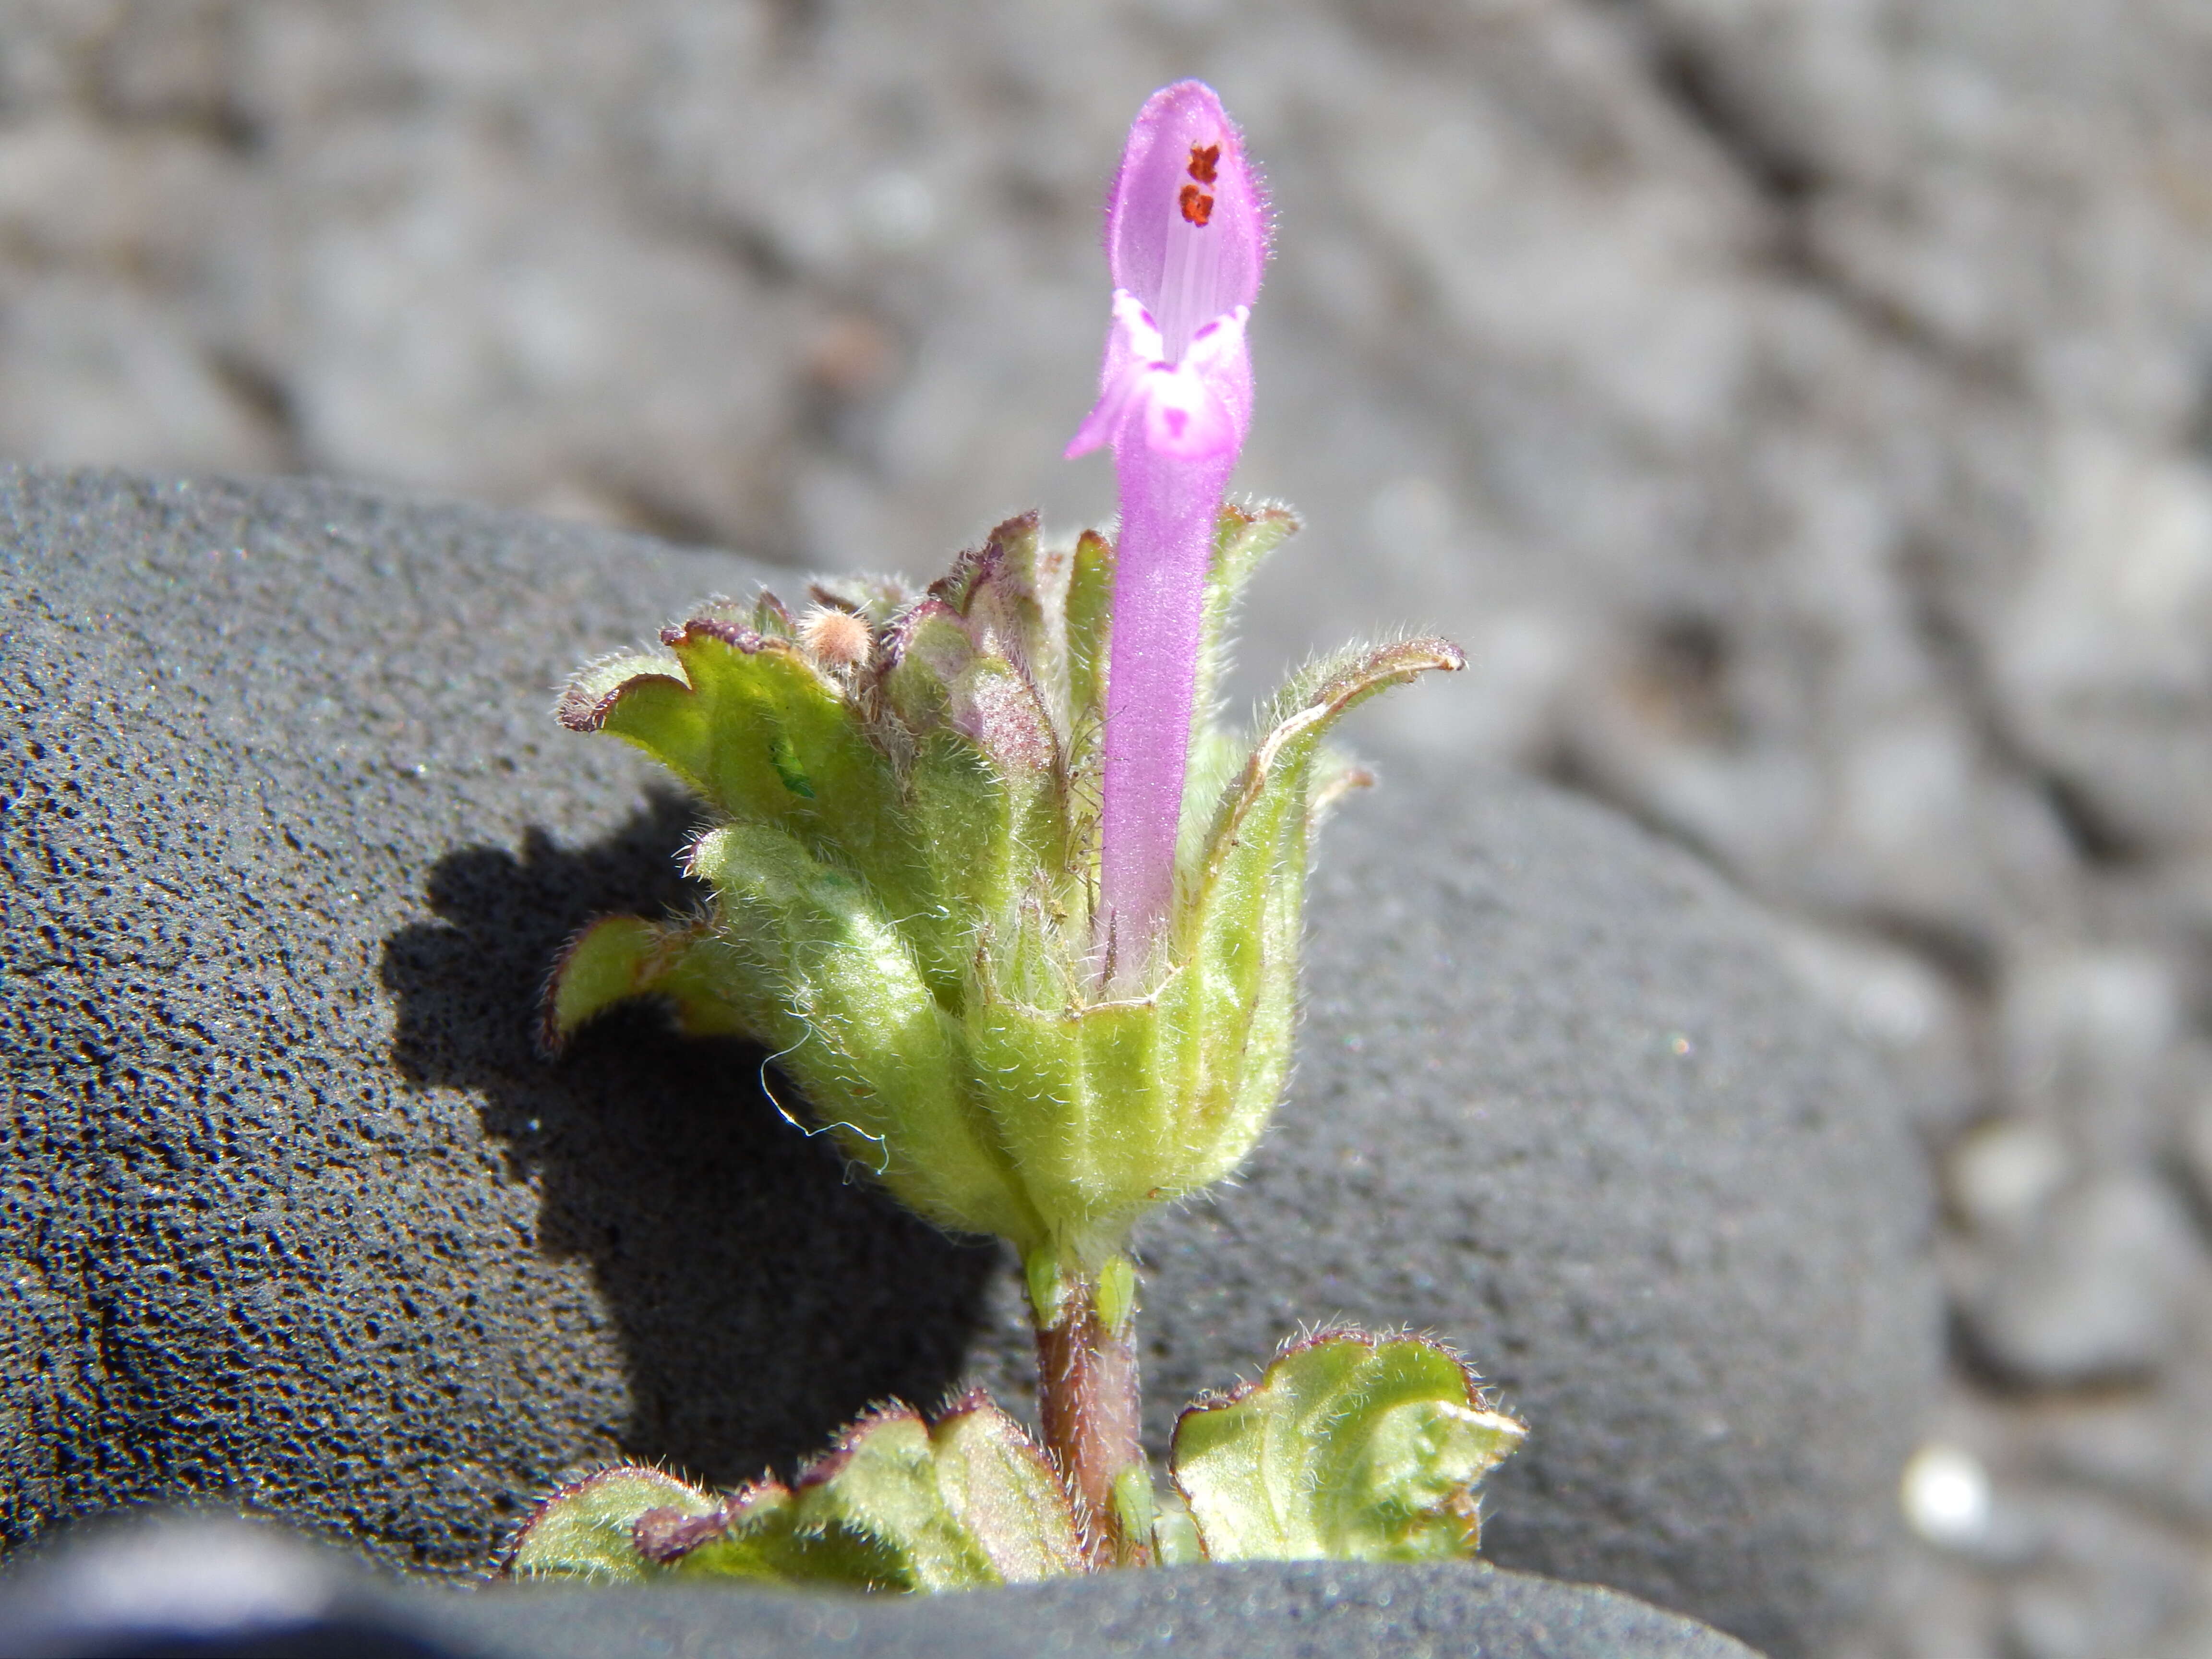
620 959
586 1530
1351 1447
764 735
858 1026
896 1505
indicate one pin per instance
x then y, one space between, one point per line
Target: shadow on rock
763 1298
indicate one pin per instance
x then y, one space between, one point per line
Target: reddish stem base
1087 1396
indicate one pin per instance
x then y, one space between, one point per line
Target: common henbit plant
1022 921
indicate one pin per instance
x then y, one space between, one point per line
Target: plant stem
1088 1398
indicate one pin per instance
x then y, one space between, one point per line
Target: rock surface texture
205 1589
296 1218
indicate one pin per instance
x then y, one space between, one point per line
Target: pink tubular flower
1186 237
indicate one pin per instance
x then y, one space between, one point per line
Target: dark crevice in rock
762 1296
1686 661
1893 324
751 247
1684 75
113 83
266 396
2196 430
1787 182
1976 1362
641 508
222 126
2193 1181
2090 832
1566 766
796 24
1966 956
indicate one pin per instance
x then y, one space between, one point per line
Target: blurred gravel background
1802 409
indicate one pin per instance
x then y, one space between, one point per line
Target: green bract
903 864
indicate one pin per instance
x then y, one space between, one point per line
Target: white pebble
1945 1494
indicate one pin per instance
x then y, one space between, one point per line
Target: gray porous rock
296 1219
295 1214
205 1589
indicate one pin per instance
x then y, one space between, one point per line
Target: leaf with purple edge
758 1534
586 1530
880 1484
999 590
745 718
895 1504
623 959
1001 1485
1350 1448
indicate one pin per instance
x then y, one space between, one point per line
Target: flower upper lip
1187 262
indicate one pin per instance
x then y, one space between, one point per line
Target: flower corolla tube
1186 239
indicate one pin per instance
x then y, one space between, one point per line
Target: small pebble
1946 1495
